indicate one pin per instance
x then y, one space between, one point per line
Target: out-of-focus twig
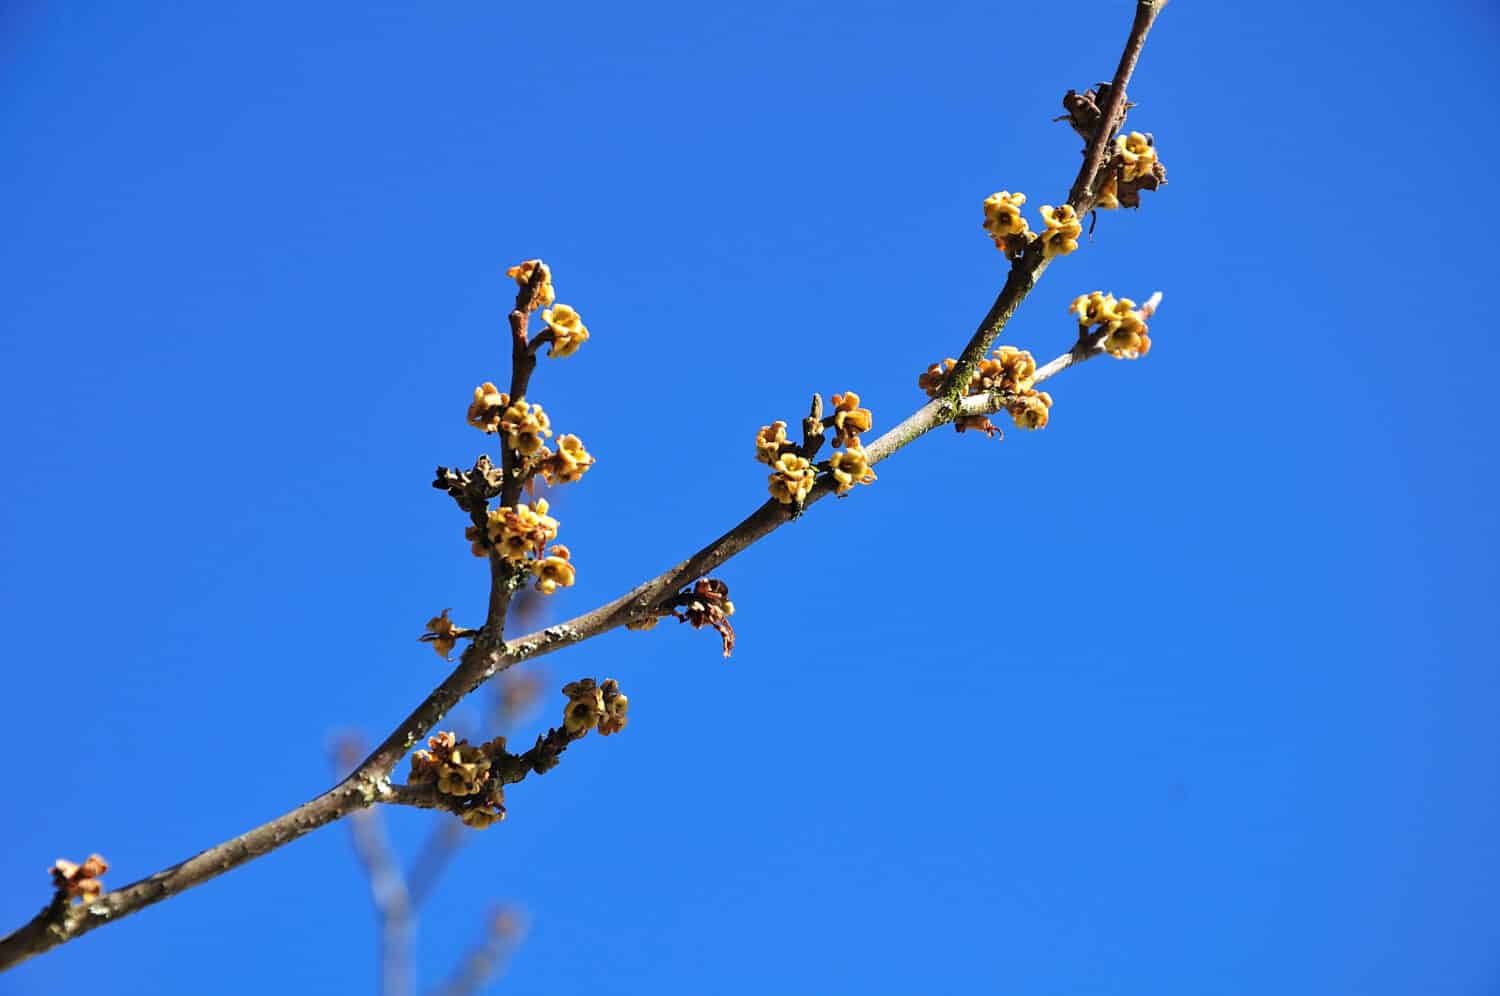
388 891
486 959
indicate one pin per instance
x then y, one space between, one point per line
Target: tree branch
489 654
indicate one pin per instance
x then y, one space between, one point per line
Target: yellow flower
488 404
1127 338
792 479
553 571
1002 216
849 420
1093 308
481 817
568 330
850 467
585 707
1031 411
1063 230
931 381
616 705
525 425
444 633
522 272
1137 153
1108 198
769 442
568 463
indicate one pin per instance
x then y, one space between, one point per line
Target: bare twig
490 654
480 965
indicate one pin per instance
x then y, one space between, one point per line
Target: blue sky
1186 694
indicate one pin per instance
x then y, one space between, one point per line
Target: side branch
1027 270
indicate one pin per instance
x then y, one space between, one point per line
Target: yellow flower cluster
792 477
931 380
79 881
525 427
456 766
568 463
487 408
852 466
1120 324
522 272
1005 223
515 532
849 420
1063 230
567 329
1137 155
1008 370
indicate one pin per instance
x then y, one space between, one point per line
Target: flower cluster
79 881
1119 324
793 473
565 329
461 770
455 766
520 535
522 273
1008 371
594 706
443 634
1005 223
1063 230
1134 166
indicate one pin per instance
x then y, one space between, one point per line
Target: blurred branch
484 961
388 891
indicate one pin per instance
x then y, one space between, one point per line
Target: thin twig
388 891
489 654
481 964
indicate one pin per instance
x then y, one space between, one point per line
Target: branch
484 960
1027 270
489 654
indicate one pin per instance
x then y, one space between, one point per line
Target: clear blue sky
1192 693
